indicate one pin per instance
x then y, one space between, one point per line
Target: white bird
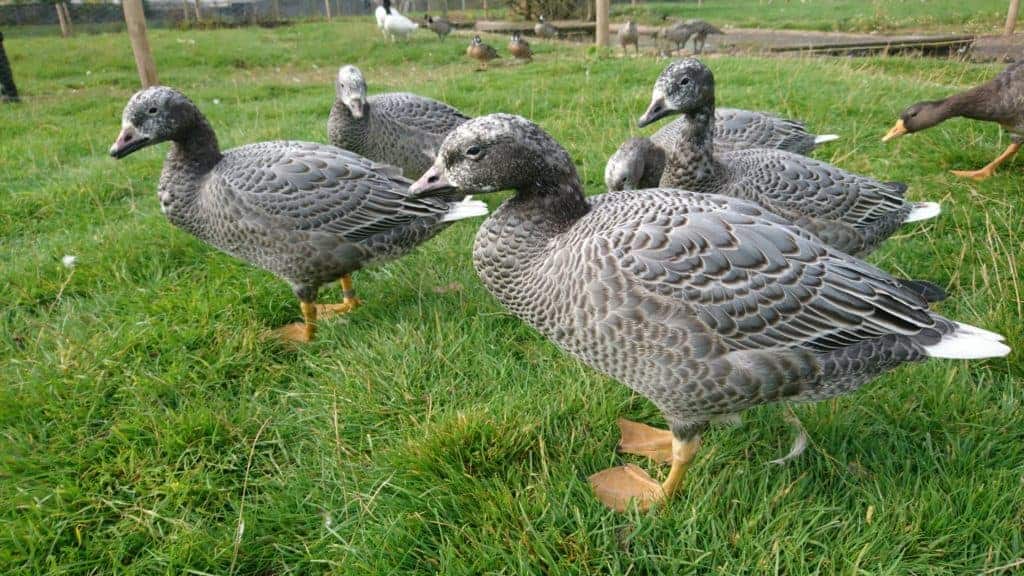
396 25
381 14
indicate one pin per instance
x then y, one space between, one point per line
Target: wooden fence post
62 19
327 8
602 22
135 18
199 14
1011 17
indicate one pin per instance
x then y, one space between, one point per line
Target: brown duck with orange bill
998 100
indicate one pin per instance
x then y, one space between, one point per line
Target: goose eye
684 81
473 152
152 110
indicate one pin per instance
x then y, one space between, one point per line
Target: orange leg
618 487
990 169
300 331
348 303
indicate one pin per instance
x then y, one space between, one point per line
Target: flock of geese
719 272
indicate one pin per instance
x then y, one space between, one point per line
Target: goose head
350 90
493 153
684 86
626 167
153 115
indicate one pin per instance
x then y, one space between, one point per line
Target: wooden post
275 8
65 29
184 11
67 17
602 22
327 8
1011 17
135 18
199 13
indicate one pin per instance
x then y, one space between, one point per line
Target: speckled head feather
152 115
350 89
685 85
501 152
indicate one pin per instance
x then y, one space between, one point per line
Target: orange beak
897 130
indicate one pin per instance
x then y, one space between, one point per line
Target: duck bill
433 183
899 129
128 141
656 111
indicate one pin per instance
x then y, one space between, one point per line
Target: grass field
981 16
149 426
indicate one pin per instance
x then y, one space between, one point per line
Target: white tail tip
969 343
468 208
823 138
923 211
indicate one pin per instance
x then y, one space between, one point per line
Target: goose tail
467 208
824 138
968 343
923 211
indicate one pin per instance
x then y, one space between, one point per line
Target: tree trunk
199 13
8 91
136 20
275 8
1011 17
184 10
602 22
65 29
327 8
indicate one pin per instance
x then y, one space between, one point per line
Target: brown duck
998 100
520 48
481 52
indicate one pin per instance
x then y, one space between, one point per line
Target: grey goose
309 213
705 304
734 129
851 212
397 128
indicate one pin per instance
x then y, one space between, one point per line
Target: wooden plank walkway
772 41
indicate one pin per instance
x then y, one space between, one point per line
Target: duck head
493 153
153 115
350 90
918 117
684 86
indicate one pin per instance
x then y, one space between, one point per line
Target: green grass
982 16
148 426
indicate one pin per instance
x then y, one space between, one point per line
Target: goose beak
433 183
655 111
356 106
128 141
899 129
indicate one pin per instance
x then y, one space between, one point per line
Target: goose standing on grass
639 162
396 25
309 213
678 34
700 30
397 128
440 26
543 29
706 305
482 53
1000 100
629 34
851 212
520 48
